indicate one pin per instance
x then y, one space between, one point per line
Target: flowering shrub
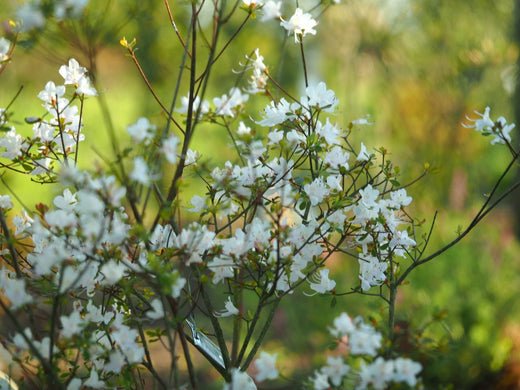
116 262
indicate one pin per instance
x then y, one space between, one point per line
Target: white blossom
5 46
229 310
363 153
318 95
276 113
72 72
169 148
30 16
265 365
300 24
141 130
321 282
141 172
240 380
13 144
316 191
343 326
336 369
271 10
5 202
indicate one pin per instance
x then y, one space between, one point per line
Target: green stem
391 318
261 337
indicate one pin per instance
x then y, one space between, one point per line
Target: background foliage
418 68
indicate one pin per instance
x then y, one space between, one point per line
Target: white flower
335 370
343 326
41 166
142 130
20 342
316 191
337 158
300 24
322 97
362 121
276 113
3 118
21 222
221 268
125 338
334 183
295 137
230 309
5 202
252 3
363 153
116 362
30 16
85 87
371 272
275 136
162 237
271 10
72 8
502 134
406 370
265 366
43 131
113 272
94 382
14 290
194 241
72 72
369 196
177 287
400 198
5 45
60 219
400 242
329 132
320 381
141 173
13 144
499 129
191 157
240 381
66 202
377 374
72 324
198 203
322 283
185 102
51 92
364 340
243 129
169 149
89 203
483 123
225 104
74 384
157 310
96 314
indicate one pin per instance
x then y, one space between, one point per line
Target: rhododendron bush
118 262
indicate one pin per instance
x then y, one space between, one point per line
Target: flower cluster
122 257
33 13
364 341
500 130
56 133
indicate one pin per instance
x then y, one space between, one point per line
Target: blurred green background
418 68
